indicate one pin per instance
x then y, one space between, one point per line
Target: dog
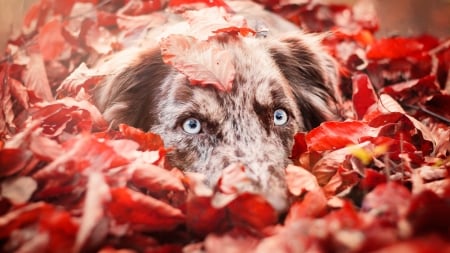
283 82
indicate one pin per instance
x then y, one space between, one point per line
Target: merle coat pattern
288 73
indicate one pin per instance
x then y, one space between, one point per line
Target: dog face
282 86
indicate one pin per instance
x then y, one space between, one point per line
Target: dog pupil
278 115
192 123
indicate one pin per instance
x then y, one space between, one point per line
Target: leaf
20 93
18 190
438 104
54 230
313 205
81 78
335 135
413 91
300 146
364 97
69 115
372 178
147 141
52 44
88 153
97 196
300 180
6 113
206 24
234 241
202 218
428 243
45 148
252 211
234 180
155 179
182 5
13 160
394 48
388 202
35 78
142 212
135 8
96 37
204 63
427 213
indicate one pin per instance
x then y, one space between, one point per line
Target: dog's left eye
192 126
280 117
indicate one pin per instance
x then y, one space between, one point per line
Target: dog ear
131 95
312 75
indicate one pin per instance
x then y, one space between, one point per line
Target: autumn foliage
376 182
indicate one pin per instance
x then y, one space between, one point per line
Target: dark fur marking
264 115
302 71
138 86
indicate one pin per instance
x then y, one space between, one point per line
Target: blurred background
398 17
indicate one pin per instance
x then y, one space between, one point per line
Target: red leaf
69 115
202 218
181 5
299 147
213 67
342 180
88 153
35 78
364 96
106 18
52 44
403 127
54 230
96 37
234 241
335 135
140 7
233 180
13 160
439 104
142 212
394 48
22 216
413 91
252 211
313 205
146 141
97 197
81 78
428 213
345 218
372 178
61 229
206 24
19 92
426 244
156 179
300 180
388 202
6 102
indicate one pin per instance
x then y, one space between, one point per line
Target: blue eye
192 126
280 117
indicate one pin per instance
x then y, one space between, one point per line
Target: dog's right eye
192 126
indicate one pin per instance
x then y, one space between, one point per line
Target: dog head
281 86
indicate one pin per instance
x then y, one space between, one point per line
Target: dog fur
289 71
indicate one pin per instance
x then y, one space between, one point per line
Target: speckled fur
292 72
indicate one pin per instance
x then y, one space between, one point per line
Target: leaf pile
378 181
